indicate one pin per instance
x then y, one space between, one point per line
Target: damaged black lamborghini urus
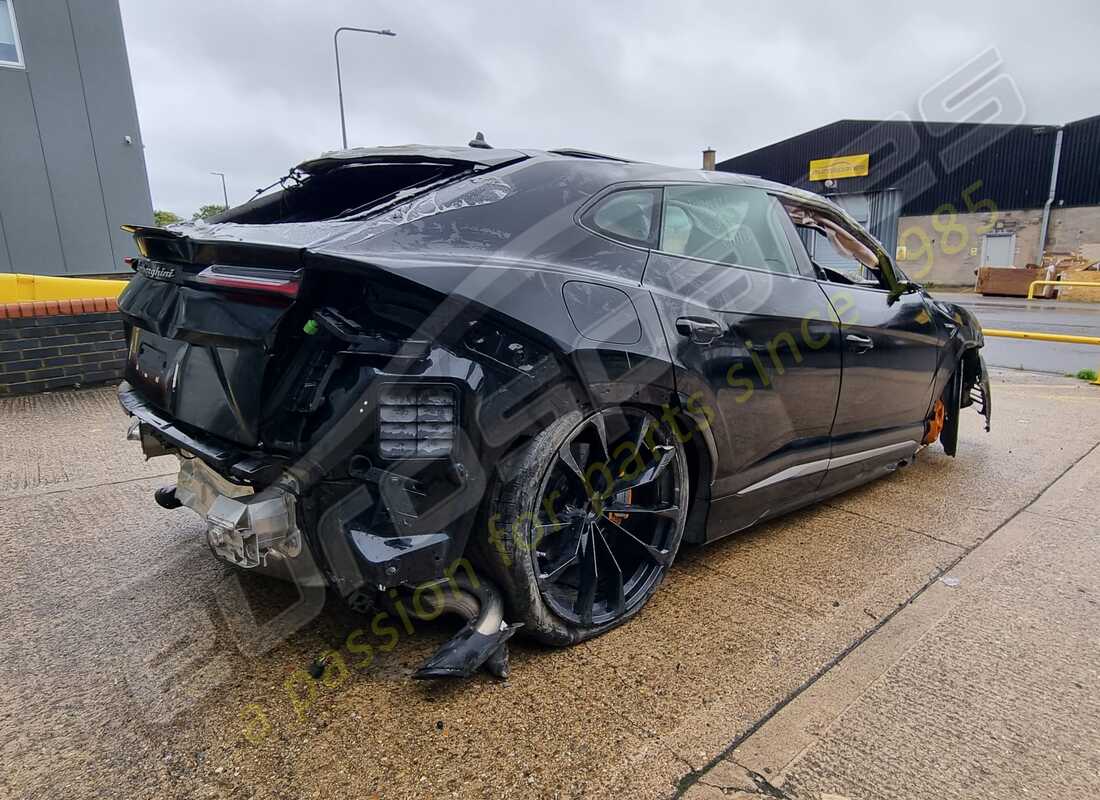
526 376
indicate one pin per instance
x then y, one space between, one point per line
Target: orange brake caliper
618 518
935 423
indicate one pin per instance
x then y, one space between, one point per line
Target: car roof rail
575 152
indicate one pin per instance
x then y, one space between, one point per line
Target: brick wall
54 345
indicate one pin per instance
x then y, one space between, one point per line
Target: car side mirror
904 287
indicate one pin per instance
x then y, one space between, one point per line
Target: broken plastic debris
947 580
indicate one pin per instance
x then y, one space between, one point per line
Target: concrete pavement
121 672
983 686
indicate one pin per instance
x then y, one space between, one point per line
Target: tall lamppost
225 191
339 79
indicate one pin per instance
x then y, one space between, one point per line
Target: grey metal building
72 169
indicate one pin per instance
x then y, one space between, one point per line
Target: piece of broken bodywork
484 638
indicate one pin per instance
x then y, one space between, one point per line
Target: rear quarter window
629 216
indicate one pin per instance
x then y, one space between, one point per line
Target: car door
890 349
754 342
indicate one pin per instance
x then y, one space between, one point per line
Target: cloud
250 88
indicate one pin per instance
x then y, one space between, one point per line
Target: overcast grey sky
249 88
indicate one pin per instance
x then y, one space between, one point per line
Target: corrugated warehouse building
949 198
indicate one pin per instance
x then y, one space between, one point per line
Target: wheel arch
699 447
700 476
701 453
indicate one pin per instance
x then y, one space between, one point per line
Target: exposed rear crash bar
243 464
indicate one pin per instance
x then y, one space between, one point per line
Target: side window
629 216
829 257
10 56
729 224
837 254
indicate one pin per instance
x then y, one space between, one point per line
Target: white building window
10 54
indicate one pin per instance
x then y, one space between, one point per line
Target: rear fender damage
356 325
259 531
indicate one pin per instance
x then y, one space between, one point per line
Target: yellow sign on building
822 169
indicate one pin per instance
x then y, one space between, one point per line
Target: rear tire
577 531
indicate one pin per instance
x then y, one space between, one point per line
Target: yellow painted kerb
16 288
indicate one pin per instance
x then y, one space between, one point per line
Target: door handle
699 329
860 344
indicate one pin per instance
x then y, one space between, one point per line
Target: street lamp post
225 191
339 80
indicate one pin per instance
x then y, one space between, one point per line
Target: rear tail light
270 281
417 421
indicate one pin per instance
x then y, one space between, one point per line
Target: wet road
122 671
1009 313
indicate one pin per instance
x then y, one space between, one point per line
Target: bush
164 218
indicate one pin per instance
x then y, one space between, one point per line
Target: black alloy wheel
611 511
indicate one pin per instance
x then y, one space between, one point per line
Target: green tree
163 218
208 210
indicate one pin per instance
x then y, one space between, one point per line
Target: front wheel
583 527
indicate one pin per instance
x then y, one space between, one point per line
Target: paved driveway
119 673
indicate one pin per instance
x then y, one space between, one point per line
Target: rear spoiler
151 230
163 244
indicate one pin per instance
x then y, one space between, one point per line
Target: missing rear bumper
242 527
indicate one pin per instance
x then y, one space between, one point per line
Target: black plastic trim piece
244 464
